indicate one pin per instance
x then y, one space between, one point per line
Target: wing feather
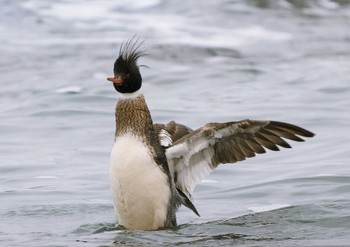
255 146
248 152
274 138
194 154
285 134
170 132
265 142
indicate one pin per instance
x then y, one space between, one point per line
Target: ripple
268 207
70 90
97 228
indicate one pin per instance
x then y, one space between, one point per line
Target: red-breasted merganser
155 167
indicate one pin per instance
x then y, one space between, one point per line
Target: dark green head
127 77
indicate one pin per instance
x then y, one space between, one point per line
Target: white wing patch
165 138
190 162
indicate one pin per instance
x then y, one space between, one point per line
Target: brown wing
170 132
196 154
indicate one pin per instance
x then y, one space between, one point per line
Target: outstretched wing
196 154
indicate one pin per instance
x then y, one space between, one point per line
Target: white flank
131 95
140 189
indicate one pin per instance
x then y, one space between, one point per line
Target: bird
154 168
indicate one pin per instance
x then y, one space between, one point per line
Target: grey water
209 61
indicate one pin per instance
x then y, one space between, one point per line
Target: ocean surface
208 61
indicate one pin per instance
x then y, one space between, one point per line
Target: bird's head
127 77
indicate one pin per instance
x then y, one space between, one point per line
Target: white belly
140 189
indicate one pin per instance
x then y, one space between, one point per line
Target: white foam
87 10
230 39
268 207
209 181
174 28
45 177
69 89
324 175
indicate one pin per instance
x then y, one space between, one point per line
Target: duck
154 168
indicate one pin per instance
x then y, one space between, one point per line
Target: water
213 61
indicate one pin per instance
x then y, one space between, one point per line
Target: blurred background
209 61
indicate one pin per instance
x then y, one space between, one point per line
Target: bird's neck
132 116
